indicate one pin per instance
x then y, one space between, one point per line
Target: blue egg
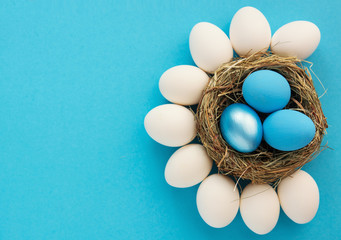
241 127
288 130
266 91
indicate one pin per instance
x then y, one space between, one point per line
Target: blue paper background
77 79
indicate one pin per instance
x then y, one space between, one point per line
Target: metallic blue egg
241 127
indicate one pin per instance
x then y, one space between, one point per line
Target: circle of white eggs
173 125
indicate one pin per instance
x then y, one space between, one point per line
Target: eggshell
299 197
259 207
218 200
299 39
266 91
188 166
210 47
171 125
288 130
241 127
183 84
249 31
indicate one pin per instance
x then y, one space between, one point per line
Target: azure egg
299 39
188 166
299 197
218 200
266 91
183 84
249 31
241 127
210 47
259 207
288 130
171 125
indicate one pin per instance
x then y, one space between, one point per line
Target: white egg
183 84
299 39
299 197
259 207
218 200
249 32
188 166
171 125
210 47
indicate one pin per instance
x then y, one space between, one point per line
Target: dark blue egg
266 91
288 130
241 127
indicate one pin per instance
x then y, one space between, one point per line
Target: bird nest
265 164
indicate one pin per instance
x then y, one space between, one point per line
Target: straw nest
264 165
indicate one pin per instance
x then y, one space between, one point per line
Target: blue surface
78 77
266 91
241 127
288 130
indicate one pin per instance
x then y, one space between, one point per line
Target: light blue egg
266 91
241 127
288 130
